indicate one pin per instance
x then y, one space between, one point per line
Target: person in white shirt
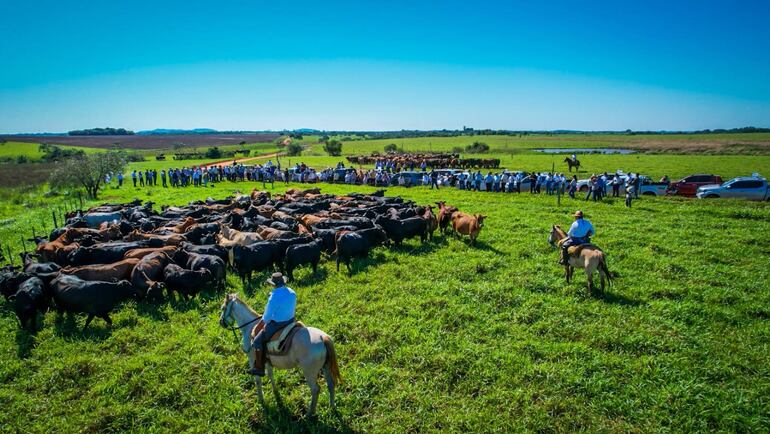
279 312
579 233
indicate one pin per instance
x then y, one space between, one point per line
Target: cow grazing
97 299
107 253
206 249
298 254
10 280
467 224
186 282
147 275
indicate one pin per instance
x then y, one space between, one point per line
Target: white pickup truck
648 186
744 187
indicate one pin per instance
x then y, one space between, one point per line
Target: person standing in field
629 194
573 186
163 177
120 179
433 179
133 177
141 179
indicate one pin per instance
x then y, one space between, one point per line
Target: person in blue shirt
579 233
279 312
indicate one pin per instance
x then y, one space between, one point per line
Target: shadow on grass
278 418
25 343
65 325
152 310
619 299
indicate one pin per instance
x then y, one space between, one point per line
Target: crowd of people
386 174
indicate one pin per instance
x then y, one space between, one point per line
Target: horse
570 162
591 258
310 349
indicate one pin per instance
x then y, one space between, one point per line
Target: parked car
689 186
411 178
752 187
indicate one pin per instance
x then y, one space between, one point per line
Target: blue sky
390 65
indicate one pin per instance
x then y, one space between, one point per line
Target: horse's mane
249 308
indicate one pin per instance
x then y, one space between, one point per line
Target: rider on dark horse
579 233
279 312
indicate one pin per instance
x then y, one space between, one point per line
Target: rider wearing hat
579 233
279 312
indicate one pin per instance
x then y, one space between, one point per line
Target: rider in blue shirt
579 233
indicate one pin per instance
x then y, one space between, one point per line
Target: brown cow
445 215
107 272
268 233
177 229
169 239
431 219
147 276
309 220
466 224
230 237
141 253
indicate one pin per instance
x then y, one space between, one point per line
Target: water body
585 151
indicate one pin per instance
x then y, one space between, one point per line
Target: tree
87 171
333 148
293 149
213 153
477 148
391 147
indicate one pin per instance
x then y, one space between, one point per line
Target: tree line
101 132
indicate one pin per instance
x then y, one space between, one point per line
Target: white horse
311 349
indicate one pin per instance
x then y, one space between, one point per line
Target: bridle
226 314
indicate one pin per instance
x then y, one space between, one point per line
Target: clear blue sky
385 65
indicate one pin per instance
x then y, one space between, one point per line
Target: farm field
32 150
442 336
749 143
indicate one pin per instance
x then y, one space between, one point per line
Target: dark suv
689 185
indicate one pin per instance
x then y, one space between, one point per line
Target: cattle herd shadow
619 299
66 325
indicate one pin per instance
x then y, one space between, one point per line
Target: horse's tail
331 360
604 270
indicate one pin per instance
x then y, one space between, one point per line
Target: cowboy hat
276 279
578 213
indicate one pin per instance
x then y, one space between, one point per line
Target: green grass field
441 336
32 150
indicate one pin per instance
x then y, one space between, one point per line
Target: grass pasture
442 336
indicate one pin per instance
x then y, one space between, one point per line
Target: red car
689 185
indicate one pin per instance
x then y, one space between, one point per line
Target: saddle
280 342
575 250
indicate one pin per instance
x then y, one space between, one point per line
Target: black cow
10 282
199 231
399 230
197 261
186 282
94 298
254 257
206 249
299 254
353 244
358 222
33 267
30 299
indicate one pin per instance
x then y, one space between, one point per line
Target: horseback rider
279 312
574 158
579 233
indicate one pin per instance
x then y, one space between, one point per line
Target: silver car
744 187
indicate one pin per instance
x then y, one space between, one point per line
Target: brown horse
572 163
590 258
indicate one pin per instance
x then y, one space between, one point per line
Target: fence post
23 243
55 223
10 255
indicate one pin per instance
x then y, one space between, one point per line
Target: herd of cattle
115 252
435 161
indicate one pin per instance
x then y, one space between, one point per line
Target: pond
579 151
